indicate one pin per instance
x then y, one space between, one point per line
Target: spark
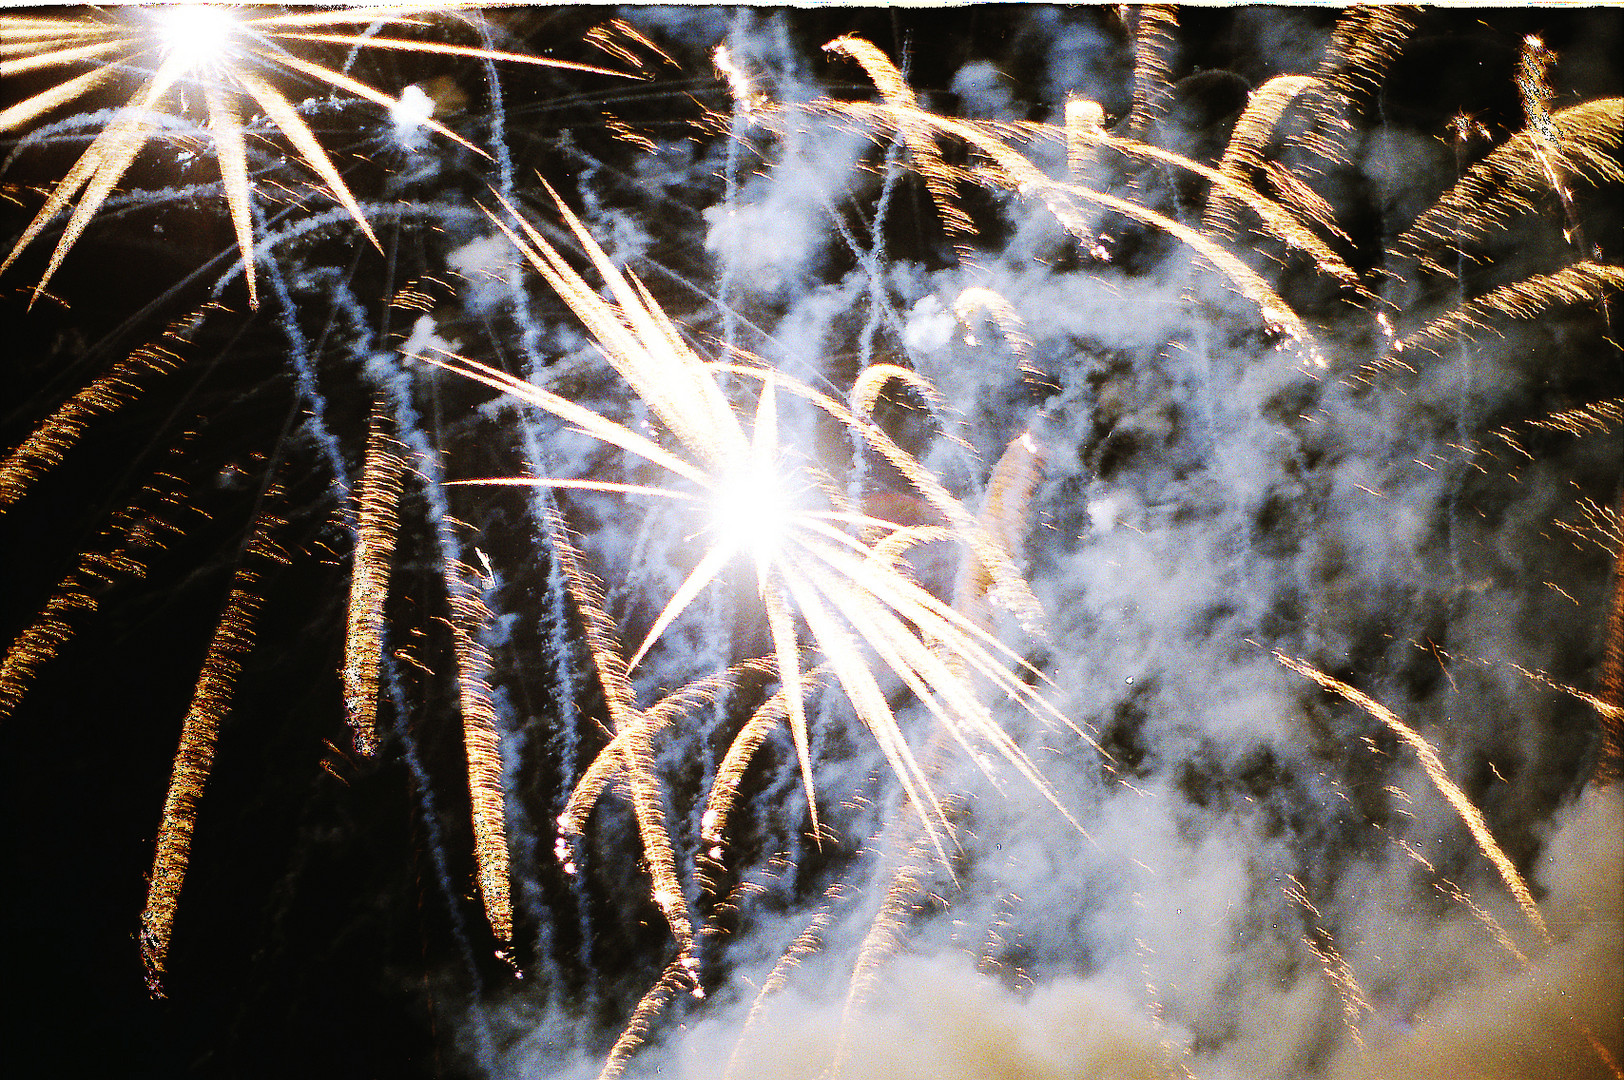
194 759
1469 814
225 55
379 493
131 538
851 595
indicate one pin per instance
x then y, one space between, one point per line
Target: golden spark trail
1355 1005
194 758
1366 41
1015 171
1152 73
899 98
808 941
133 535
1610 760
1243 155
1506 183
677 975
383 475
45 446
978 298
480 747
1470 815
628 755
1584 282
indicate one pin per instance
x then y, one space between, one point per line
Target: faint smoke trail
305 374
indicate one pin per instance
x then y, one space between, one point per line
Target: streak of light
1470 815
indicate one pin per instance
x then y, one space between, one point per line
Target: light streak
132 536
847 596
225 54
377 522
194 758
1469 814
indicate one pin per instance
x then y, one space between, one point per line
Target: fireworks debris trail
45 446
194 758
1356 1008
1533 63
377 524
1584 282
1243 154
1610 759
928 162
628 754
132 536
807 942
1009 168
1366 41
1470 815
431 823
305 374
1153 45
1507 182
481 740
977 299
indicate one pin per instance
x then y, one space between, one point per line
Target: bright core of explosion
196 35
751 509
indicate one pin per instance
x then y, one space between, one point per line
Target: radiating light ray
378 495
680 389
1003 513
224 51
1581 283
1469 814
211 701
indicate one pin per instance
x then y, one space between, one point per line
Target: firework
796 335
225 57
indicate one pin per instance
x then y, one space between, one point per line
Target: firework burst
225 54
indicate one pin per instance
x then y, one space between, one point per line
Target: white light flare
751 510
198 36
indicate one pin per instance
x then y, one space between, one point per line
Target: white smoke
1269 887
